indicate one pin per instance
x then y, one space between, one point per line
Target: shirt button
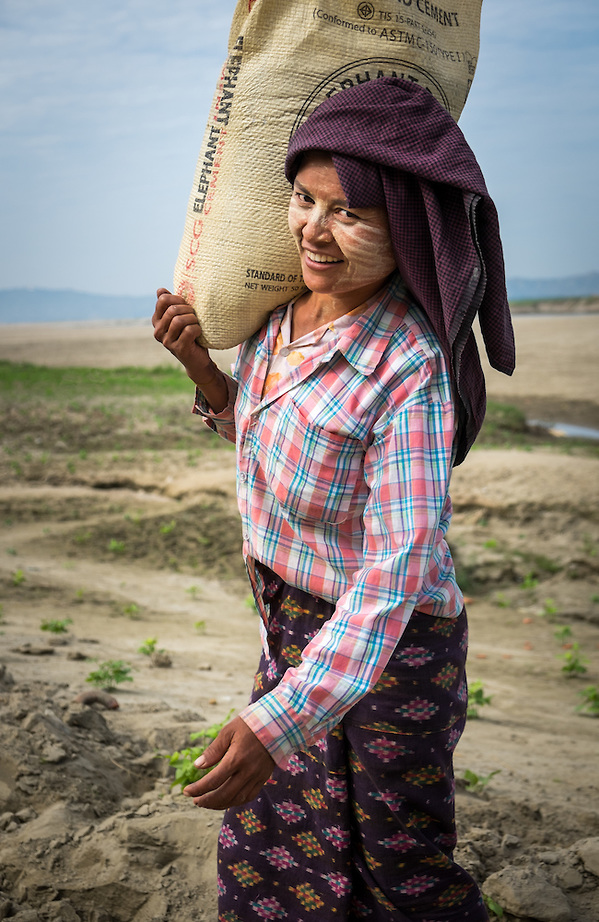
246 536
243 477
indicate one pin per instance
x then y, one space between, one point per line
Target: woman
349 410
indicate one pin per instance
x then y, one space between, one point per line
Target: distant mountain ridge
46 305
574 286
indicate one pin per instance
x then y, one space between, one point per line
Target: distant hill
45 305
575 286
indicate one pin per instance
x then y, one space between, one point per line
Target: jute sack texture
237 259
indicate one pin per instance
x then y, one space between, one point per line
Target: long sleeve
222 423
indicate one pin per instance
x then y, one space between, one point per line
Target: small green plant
477 783
132 610
110 673
55 625
79 595
589 706
185 771
476 699
574 662
490 544
117 547
530 581
168 527
82 537
500 599
563 633
193 592
493 907
12 551
250 602
200 627
82 454
549 609
595 598
149 646
18 578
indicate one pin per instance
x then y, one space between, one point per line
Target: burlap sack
237 260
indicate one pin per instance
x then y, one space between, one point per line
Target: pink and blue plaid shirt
343 472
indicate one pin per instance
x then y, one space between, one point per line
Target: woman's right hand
177 328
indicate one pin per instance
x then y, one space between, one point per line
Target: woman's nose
316 228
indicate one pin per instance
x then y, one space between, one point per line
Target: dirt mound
204 537
90 828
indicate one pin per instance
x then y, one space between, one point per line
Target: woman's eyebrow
301 188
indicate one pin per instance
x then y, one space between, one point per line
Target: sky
103 108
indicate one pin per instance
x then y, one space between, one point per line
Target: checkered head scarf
394 145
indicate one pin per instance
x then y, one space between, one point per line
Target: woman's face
341 251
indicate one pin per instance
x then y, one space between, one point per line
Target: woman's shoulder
413 332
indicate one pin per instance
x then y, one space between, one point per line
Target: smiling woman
345 256
348 410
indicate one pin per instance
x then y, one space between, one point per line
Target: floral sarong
361 825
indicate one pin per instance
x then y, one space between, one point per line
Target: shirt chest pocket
314 474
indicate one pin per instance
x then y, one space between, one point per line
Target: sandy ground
90 826
546 346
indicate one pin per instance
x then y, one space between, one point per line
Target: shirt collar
365 342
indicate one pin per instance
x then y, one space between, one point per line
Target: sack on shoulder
237 259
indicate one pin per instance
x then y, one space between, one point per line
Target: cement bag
237 260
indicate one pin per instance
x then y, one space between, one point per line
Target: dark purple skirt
361 825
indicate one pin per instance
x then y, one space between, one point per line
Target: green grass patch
505 426
25 383
79 412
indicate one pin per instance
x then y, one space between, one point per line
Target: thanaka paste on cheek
368 253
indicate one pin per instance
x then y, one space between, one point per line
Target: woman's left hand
244 765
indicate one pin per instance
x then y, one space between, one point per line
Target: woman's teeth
321 258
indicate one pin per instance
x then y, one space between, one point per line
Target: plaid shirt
394 145
343 471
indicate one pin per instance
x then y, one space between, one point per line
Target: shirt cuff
278 727
203 408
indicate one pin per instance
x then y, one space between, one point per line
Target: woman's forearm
213 386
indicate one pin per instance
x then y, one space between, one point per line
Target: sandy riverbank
90 827
557 357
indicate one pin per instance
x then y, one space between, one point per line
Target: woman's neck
312 310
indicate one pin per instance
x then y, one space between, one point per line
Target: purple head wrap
394 145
